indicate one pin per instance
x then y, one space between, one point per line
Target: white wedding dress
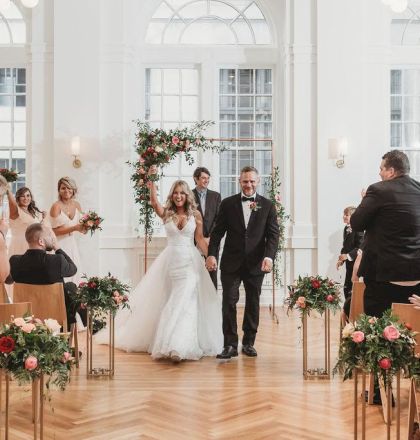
175 309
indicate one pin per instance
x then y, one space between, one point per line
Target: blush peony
391 333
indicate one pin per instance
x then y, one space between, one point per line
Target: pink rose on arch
358 337
175 140
385 363
391 333
278 198
28 327
31 363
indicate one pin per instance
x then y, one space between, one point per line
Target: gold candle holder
100 371
386 396
38 398
317 373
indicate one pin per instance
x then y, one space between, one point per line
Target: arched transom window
405 27
12 26
208 22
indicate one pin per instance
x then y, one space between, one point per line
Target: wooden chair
407 313
48 302
357 306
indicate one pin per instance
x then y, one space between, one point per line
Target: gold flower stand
100 371
386 397
317 373
38 397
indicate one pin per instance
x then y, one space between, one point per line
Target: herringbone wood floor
246 398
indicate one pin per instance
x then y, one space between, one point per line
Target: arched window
208 22
12 27
13 116
405 27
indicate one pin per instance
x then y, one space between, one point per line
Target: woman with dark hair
22 213
175 311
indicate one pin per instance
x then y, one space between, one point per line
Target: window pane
227 108
20 134
189 82
171 110
228 163
5 134
246 158
263 108
412 108
412 82
396 108
246 108
263 81
171 81
227 81
190 108
228 130
395 82
246 81
263 161
412 135
396 136
246 130
228 186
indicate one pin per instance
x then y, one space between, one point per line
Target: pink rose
391 333
372 320
301 302
141 160
85 217
118 299
385 363
278 198
82 284
175 140
330 298
19 322
28 327
66 356
31 363
116 293
358 337
90 223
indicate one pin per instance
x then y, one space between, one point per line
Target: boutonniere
254 206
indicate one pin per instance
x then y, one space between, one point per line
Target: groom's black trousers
252 285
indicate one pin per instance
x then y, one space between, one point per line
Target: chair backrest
407 313
16 310
47 300
357 306
4 297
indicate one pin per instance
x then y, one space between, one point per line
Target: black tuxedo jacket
213 200
35 266
249 245
351 243
390 214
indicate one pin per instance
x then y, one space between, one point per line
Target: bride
175 311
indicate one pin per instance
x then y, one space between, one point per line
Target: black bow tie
247 199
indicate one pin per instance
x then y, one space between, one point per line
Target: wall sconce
337 149
75 151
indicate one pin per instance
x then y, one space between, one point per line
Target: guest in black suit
352 241
208 203
35 266
252 234
390 214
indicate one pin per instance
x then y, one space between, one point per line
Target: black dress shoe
249 350
227 353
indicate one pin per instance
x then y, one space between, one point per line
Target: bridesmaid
22 213
65 216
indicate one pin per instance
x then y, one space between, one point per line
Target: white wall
331 60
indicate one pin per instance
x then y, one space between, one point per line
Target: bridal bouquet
30 347
377 345
9 175
91 221
313 293
102 295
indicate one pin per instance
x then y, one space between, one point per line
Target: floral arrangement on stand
9 175
157 148
30 347
313 293
282 217
102 295
381 346
91 221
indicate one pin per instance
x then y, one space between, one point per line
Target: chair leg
371 390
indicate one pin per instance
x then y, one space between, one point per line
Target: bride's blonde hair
170 207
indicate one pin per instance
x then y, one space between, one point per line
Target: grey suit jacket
213 200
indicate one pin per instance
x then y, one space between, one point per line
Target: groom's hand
211 263
267 264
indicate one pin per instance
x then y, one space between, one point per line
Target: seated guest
4 261
35 266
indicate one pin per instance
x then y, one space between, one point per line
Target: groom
252 234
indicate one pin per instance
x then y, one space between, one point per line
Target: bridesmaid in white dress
65 215
22 213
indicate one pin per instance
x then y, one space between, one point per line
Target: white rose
158 149
53 325
348 330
